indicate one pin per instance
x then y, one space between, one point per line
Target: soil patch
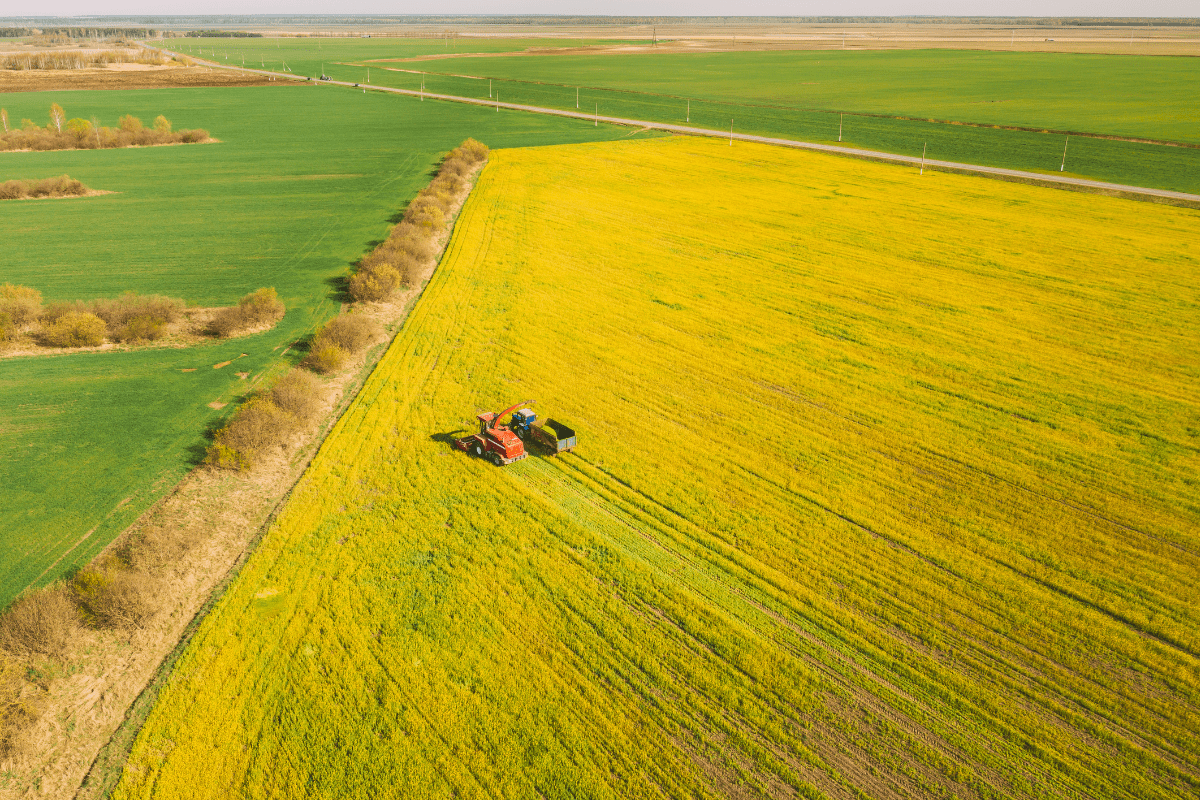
148 78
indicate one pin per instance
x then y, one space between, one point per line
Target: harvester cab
494 442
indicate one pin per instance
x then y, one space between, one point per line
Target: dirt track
156 78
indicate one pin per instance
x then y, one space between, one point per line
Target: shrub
298 393
374 283
135 318
43 622
22 305
255 426
350 332
325 359
139 329
162 125
74 329
8 331
260 307
79 128
111 597
56 311
130 124
192 136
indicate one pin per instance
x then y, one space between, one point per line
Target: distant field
797 94
301 182
304 56
886 488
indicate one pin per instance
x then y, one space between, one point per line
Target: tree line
131 318
76 133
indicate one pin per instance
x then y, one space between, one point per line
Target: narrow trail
1000 173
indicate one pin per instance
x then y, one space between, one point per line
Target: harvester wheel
496 459
478 451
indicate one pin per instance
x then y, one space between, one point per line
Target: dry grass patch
40 623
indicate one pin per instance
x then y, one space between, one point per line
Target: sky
999 8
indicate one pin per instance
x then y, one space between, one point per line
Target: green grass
303 179
305 56
796 94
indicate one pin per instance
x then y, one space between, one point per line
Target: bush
131 305
21 304
260 307
74 329
374 283
257 425
139 329
298 393
8 331
325 359
43 622
350 332
111 597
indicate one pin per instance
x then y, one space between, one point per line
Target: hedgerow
411 242
87 134
61 186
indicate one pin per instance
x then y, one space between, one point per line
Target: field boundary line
802 109
1087 185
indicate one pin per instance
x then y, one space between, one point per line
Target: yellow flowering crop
886 487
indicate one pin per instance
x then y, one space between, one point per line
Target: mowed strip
884 489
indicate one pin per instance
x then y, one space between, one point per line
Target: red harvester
494 441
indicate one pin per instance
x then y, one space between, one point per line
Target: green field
885 488
305 56
302 180
797 94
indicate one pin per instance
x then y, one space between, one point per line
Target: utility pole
1064 160
840 116
577 97
597 119
731 133
923 148
689 111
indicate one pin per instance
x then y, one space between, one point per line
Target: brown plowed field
53 80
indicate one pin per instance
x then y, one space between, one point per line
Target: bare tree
4 118
57 116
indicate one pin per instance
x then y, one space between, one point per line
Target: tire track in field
602 517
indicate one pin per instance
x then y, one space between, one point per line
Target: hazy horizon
669 8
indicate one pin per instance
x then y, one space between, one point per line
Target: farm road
1015 175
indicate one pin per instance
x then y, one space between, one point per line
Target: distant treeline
215 34
77 33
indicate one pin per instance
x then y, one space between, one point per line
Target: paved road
1044 179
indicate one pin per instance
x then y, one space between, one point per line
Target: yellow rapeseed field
886 488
